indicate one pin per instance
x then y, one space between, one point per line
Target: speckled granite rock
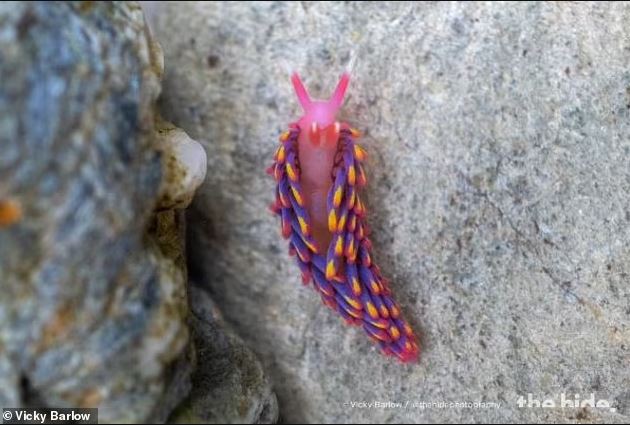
499 138
229 384
92 283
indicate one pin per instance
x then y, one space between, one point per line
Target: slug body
318 168
317 164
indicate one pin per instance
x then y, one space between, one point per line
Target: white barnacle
184 166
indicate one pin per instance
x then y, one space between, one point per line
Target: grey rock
229 384
499 137
92 282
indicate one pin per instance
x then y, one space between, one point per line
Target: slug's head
320 116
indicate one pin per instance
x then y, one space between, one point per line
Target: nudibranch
319 171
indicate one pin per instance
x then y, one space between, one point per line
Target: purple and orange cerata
319 172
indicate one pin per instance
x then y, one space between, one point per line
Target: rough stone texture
499 176
229 384
92 283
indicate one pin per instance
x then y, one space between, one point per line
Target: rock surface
499 179
229 384
92 283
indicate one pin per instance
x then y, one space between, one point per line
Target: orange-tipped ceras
319 172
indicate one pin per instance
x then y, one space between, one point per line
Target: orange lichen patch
57 328
88 398
86 6
92 397
10 212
